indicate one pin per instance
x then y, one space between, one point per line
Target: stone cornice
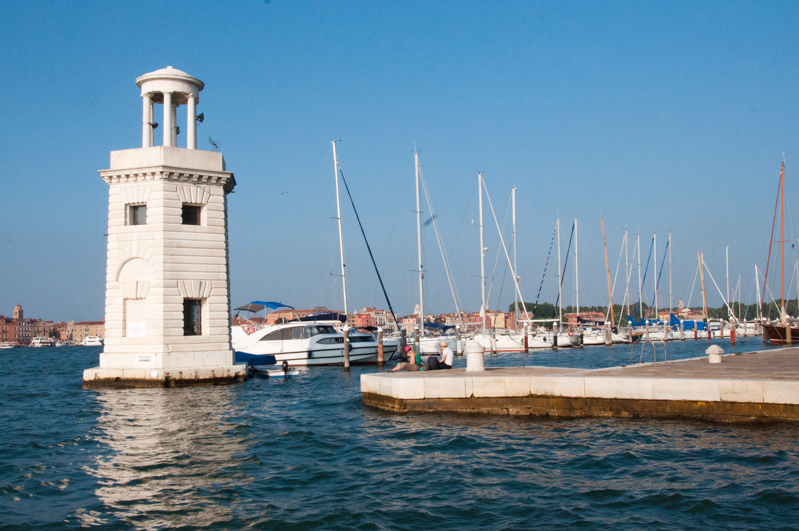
221 178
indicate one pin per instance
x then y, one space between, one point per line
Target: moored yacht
92 341
303 343
43 342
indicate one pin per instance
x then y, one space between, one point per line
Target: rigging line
643 281
662 263
691 295
771 238
591 268
571 236
502 286
729 310
551 242
463 218
773 302
629 275
615 277
368 247
494 273
502 241
444 258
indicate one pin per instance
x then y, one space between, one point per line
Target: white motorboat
92 341
565 338
304 343
43 342
503 340
273 371
8 344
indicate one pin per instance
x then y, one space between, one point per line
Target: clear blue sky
663 116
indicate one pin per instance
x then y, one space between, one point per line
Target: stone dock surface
754 386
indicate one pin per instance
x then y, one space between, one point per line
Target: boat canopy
323 316
257 306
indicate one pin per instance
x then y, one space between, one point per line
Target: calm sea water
305 454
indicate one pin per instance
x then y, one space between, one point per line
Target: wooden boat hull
776 335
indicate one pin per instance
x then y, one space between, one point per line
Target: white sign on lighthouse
167 299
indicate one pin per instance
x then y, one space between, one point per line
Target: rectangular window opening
191 214
137 214
192 317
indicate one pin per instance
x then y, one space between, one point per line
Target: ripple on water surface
305 454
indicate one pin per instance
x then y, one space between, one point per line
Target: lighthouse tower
167 298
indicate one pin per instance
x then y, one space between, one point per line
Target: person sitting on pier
446 361
414 362
447 356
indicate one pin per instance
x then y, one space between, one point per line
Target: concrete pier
755 386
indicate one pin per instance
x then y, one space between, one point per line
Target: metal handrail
643 342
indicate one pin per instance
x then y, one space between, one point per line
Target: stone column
152 126
174 128
191 124
168 123
146 128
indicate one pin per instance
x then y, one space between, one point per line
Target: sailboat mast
640 282
627 272
607 268
702 276
340 238
655 276
727 254
560 294
513 236
576 275
419 246
782 233
482 251
739 296
670 305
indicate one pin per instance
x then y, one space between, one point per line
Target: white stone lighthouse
167 298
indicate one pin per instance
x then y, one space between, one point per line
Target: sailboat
782 332
427 344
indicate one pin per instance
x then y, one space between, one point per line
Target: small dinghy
272 371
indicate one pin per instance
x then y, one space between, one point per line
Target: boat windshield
318 329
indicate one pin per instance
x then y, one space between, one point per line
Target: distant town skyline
668 118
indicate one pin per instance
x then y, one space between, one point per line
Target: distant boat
8 344
92 341
43 342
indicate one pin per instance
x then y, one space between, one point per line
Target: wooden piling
346 349
732 336
379 347
526 330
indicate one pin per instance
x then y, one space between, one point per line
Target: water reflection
172 457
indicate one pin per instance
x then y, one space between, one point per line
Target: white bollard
714 353
475 357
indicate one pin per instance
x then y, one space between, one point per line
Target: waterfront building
8 330
78 331
61 332
27 329
167 304
361 320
